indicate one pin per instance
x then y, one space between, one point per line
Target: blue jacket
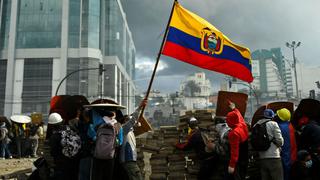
98 120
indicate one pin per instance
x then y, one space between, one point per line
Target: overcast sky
256 24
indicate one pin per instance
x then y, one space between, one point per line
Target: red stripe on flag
223 66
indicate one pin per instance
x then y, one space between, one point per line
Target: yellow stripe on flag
192 24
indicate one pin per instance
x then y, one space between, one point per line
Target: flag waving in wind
193 40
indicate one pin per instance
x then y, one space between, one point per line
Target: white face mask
309 163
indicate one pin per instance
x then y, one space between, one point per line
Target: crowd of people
283 152
20 139
99 143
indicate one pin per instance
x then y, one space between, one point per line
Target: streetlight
293 46
100 68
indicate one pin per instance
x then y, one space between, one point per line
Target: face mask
309 164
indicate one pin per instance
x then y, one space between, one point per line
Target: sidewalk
11 166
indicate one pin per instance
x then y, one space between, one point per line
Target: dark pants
19 146
133 170
207 168
102 169
5 150
66 168
271 169
65 174
85 168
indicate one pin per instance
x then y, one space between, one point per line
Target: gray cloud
256 24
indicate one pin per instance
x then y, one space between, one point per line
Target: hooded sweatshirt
237 136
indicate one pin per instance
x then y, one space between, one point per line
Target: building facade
43 41
272 76
196 90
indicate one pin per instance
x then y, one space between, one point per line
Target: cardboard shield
240 100
36 118
145 127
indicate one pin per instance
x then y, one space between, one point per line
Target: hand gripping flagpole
158 58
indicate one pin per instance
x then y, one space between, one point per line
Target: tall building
273 79
43 41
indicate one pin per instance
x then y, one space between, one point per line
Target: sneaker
10 157
3 158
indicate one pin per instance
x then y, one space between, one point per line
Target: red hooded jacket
238 134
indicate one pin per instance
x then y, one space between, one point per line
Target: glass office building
42 41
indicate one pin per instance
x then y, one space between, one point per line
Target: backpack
259 137
105 142
70 142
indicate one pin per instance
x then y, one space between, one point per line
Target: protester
289 148
64 167
220 144
86 146
195 141
310 141
238 140
5 140
104 130
128 155
310 135
270 160
301 169
35 134
18 131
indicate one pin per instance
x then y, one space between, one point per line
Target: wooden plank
240 100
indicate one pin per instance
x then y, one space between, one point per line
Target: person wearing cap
301 169
270 160
289 148
196 142
64 167
238 141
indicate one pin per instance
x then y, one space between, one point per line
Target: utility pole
293 46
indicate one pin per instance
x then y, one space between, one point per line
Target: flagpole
158 57
160 51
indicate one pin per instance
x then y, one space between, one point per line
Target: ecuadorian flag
193 40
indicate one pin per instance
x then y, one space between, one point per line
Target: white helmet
54 118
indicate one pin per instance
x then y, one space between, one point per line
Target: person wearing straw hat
104 113
19 125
